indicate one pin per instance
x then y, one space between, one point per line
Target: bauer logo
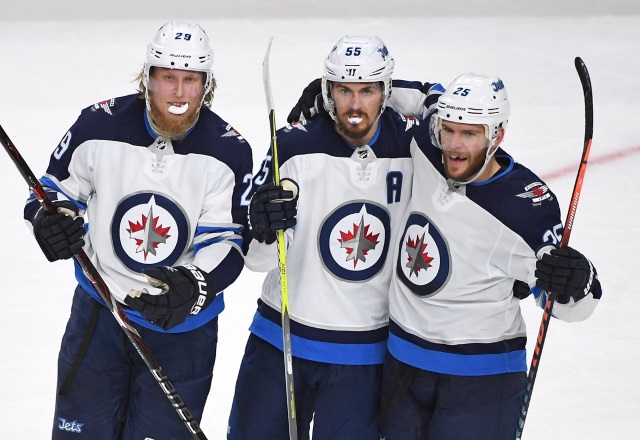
69 426
148 230
354 240
423 260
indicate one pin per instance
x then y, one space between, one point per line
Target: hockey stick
282 259
568 226
98 283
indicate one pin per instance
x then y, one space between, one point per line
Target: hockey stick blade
585 80
98 283
282 261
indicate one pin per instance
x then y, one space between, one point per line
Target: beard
475 164
354 131
170 125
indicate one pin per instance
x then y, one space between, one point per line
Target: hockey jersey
459 252
338 259
151 200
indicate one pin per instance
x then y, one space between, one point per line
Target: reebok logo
65 425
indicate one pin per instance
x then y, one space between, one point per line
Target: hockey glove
59 235
272 208
185 291
565 272
309 104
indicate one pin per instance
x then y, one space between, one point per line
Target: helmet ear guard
357 59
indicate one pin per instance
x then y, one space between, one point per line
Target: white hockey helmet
181 46
357 59
473 99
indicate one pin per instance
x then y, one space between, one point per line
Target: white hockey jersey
151 201
338 262
457 257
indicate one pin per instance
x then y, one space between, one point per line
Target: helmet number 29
181 36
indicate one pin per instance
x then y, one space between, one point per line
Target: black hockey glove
272 208
185 291
59 235
309 104
565 272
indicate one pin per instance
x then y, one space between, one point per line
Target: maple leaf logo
148 234
358 242
417 258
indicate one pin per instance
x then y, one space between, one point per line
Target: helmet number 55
355 51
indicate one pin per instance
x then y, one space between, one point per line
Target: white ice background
57 57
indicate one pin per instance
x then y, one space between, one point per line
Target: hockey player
161 179
353 168
480 234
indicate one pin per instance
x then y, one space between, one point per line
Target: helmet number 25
461 91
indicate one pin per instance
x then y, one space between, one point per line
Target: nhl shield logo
149 230
423 259
354 241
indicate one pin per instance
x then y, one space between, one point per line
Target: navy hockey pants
342 400
421 405
113 395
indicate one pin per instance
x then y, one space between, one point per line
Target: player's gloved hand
272 208
565 272
309 104
60 234
185 291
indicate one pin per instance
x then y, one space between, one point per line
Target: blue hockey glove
309 104
566 272
60 234
272 208
185 291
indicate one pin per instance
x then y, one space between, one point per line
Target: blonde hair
208 98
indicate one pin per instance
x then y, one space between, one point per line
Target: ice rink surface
58 60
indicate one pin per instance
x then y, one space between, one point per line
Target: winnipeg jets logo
147 230
418 258
300 125
69 426
232 132
537 192
354 240
148 234
384 52
423 263
358 242
411 121
105 105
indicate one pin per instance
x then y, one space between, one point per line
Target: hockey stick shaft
585 80
282 260
98 283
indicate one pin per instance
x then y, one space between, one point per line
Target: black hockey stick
568 226
98 283
282 260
